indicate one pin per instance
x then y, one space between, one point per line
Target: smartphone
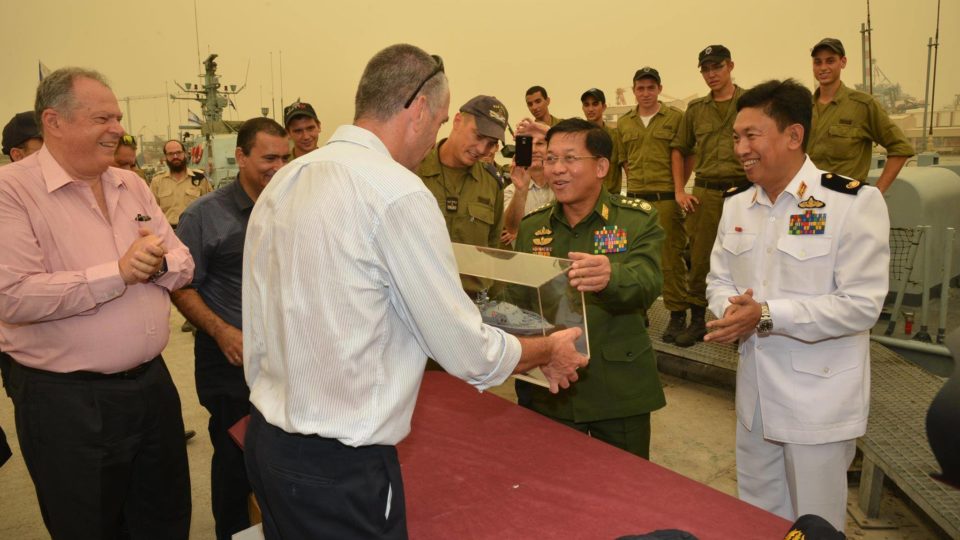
524 156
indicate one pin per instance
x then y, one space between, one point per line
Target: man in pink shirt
87 262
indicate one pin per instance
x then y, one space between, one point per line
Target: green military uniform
650 177
554 120
843 132
476 215
621 380
613 182
707 129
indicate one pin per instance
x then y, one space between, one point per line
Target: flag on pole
43 70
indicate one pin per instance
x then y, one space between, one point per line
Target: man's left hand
589 273
739 320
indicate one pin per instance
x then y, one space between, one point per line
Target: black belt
653 196
132 373
722 185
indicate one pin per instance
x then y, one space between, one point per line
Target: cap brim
489 128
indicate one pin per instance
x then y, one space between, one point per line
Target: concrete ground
693 435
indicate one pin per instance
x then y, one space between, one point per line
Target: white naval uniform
809 379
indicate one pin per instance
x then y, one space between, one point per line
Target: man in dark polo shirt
214 228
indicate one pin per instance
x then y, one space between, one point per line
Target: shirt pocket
846 141
192 192
165 196
806 267
738 246
474 227
827 384
665 133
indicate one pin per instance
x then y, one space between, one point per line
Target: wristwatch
161 271
765 326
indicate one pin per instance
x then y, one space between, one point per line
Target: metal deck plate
896 437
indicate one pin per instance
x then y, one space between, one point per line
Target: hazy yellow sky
494 47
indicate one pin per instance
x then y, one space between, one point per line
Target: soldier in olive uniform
706 135
594 103
538 103
647 132
470 198
615 244
846 123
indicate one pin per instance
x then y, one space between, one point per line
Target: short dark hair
599 143
247 134
534 89
788 102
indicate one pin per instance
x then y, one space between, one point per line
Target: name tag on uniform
809 222
452 204
610 239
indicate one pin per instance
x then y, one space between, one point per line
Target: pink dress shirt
63 305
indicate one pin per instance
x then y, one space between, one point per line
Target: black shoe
678 320
188 327
189 434
697 329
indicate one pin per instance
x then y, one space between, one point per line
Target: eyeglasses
567 160
438 69
174 154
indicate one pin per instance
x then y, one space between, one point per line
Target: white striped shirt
349 283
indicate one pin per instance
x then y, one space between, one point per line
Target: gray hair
55 91
390 78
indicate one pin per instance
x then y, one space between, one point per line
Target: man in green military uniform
615 244
647 132
706 135
847 122
594 103
470 198
539 105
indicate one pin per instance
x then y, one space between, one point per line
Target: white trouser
791 480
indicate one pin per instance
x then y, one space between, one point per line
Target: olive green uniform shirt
709 133
613 182
843 132
647 149
478 216
174 197
621 379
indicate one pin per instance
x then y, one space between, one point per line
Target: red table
478 466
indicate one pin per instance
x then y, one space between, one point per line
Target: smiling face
466 144
769 156
593 110
647 92
827 65
304 131
576 177
267 155
85 137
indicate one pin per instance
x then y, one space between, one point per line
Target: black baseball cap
491 116
596 94
647 72
713 53
298 108
833 44
20 129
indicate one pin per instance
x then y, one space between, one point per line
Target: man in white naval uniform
798 275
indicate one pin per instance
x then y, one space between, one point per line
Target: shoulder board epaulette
839 183
736 189
862 97
696 101
635 204
671 107
538 210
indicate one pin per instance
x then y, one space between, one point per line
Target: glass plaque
522 294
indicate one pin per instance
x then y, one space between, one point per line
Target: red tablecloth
478 466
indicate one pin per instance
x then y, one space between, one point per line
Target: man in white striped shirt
349 284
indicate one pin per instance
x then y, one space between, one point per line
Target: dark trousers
223 392
106 455
316 488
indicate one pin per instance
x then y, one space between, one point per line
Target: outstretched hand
561 370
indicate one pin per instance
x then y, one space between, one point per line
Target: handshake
555 355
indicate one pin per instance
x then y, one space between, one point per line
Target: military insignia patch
801 190
645 206
610 239
809 222
542 231
852 184
542 250
604 212
543 240
810 202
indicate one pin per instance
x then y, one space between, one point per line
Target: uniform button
826 370
803 253
769 250
772 219
764 283
576 235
